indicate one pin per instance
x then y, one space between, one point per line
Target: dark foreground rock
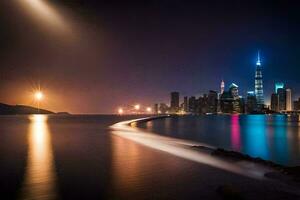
282 173
240 156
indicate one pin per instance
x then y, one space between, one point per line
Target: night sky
91 57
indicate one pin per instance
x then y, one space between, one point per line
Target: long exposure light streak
182 148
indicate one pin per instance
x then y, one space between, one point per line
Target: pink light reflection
235 133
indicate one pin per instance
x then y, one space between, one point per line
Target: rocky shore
281 172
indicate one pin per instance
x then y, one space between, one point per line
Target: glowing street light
148 109
137 107
120 111
39 95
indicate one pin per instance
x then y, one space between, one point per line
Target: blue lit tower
259 91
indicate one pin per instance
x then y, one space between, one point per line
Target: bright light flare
39 95
148 109
137 107
120 111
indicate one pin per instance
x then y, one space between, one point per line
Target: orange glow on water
180 148
40 178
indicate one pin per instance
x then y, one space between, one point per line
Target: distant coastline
6 109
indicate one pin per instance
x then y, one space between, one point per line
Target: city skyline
151 99
88 60
257 91
178 103
230 101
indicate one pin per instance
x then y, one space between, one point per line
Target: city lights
120 111
134 109
137 107
148 109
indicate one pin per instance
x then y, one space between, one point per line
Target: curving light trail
182 148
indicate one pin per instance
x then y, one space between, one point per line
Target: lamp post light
39 97
120 111
148 109
137 107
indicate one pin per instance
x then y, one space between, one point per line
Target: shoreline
270 169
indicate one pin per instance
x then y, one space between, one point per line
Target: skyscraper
174 102
280 94
297 105
251 102
222 86
275 102
230 101
192 104
212 101
259 92
234 90
156 108
278 86
288 99
282 99
185 104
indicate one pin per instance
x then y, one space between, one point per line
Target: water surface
271 137
78 157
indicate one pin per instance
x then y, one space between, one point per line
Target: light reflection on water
40 178
175 147
280 138
270 137
126 165
255 140
235 132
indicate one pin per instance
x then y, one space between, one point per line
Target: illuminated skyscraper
297 105
222 87
275 102
281 94
185 104
278 86
174 102
259 92
212 101
282 98
251 102
192 104
288 99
